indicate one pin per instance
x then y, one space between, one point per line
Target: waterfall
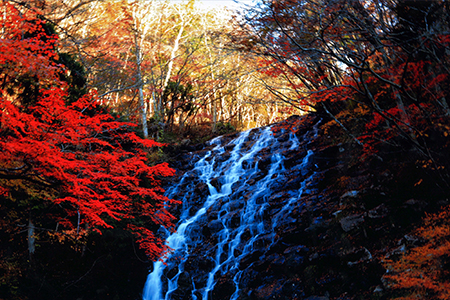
230 212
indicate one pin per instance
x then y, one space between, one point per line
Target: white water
234 175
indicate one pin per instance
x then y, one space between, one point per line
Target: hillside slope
355 211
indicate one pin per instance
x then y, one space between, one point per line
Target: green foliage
75 76
224 128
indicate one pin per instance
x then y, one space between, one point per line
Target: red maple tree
95 166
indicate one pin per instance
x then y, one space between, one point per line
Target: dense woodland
92 92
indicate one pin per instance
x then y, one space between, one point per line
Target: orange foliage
422 272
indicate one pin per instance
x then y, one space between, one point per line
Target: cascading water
231 210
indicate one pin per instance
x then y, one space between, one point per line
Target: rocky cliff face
283 213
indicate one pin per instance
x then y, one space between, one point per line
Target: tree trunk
170 67
31 239
142 103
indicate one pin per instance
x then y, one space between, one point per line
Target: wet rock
299 249
171 272
356 256
232 219
380 211
250 278
223 289
350 222
378 289
271 290
197 265
236 204
317 224
201 190
264 163
337 213
250 258
350 194
277 261
396 251
349 198
214 210
215 226
215 183
185 287
416 205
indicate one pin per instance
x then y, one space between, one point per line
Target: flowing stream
221 225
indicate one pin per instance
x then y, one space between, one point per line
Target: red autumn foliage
96 166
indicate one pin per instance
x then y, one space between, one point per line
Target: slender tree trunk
172 56
142 103
84 247
31 239
214 97
170 65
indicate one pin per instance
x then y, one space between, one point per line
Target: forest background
92 89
